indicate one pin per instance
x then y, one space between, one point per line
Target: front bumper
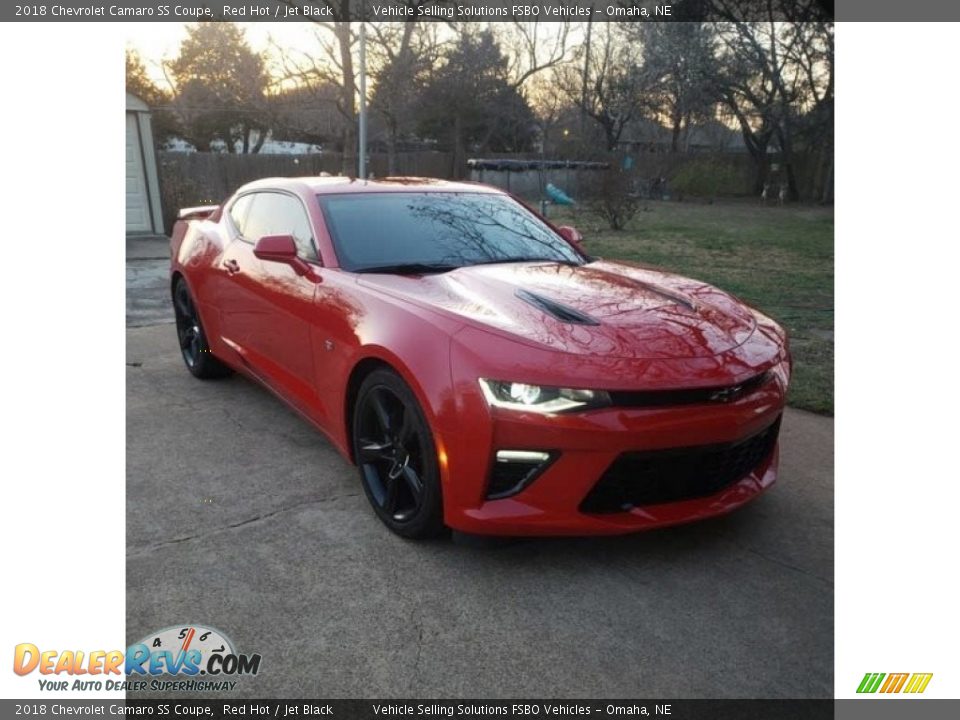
583 448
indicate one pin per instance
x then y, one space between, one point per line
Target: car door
231 296
267 307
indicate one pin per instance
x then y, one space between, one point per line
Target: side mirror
282 249
276 248
572 236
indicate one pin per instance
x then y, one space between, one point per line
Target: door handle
232 266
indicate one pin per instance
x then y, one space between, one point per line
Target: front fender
413 341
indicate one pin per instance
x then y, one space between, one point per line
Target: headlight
537 398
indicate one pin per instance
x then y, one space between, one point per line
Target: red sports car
482 371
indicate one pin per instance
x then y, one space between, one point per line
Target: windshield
437 231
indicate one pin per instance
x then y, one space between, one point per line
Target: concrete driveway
241 516
148 280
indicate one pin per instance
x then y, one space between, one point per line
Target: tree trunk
392 135
756 142
822 175
459 161
762 163
793 194
611 134
348 92
827 197
786 151
677 126
763 171
261 138
404 61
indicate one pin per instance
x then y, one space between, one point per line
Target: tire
396 457
193 342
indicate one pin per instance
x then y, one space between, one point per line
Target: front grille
636 479
666 398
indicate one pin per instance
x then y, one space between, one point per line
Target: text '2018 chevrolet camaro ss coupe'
481 370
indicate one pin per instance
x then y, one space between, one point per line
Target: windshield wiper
413 268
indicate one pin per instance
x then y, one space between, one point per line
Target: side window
278 214
239 210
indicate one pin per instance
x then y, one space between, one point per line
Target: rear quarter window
239 210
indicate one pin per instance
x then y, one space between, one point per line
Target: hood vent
561 312
674 297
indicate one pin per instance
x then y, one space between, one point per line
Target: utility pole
362 162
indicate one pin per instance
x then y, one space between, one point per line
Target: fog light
514 470
522 456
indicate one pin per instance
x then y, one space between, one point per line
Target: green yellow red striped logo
894 682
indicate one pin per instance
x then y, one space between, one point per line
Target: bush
610 194
706 178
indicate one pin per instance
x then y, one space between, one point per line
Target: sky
161 41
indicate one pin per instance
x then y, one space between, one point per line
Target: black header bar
252 709
429 709
475 10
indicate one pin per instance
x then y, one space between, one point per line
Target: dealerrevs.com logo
911 683
178 658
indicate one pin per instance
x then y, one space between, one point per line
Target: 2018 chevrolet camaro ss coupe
481 370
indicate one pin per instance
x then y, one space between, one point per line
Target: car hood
601 308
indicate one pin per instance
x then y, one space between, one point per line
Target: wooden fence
188 179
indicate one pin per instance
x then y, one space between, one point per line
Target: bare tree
610 88
762 79
535 50
550 109
749 91
400 55
333 65
307 114
812 63
679 71
532 47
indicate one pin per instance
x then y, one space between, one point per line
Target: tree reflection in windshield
438 228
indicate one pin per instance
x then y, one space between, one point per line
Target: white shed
143 186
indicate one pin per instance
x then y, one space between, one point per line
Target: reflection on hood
603 308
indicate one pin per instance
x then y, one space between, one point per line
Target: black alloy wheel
396 455
193 343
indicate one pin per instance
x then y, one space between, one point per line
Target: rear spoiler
201 212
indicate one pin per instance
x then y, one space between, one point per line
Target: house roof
136 104
710 134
